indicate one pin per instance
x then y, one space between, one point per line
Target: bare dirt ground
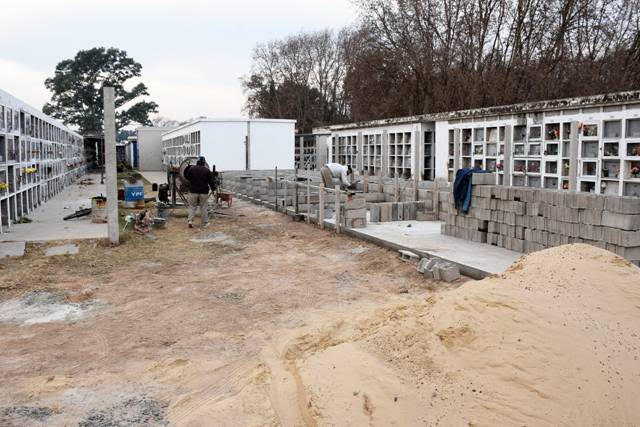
175 331
261 321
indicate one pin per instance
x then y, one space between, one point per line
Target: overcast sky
193 52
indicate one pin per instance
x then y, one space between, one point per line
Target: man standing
200 180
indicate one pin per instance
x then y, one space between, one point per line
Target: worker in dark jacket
200 180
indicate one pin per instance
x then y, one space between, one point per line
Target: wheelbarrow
223 196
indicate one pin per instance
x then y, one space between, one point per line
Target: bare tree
418 56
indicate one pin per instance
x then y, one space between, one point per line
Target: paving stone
62 250
12 249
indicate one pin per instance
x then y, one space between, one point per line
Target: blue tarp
462 188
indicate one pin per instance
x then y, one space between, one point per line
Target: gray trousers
195 201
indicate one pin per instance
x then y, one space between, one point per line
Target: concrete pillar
321 150
418 145
365 184
396 189
508 153
334 148
110 164
573 157
457 141
385 153
359 159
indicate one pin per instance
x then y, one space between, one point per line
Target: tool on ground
128 220
77 214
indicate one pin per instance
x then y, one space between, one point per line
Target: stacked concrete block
391 211
380 198
353 214
531 219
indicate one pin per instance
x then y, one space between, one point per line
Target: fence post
276 185
308 201
396 189
436 200
284 204
321 206
337 205
365 184
295 189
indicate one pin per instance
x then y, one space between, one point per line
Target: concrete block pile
437 269
531 219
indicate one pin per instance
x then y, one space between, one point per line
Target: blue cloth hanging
462 188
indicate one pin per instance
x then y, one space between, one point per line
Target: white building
149 145
233 144
38 157
588 144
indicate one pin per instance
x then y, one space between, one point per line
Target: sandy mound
553 341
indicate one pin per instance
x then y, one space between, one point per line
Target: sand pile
553 341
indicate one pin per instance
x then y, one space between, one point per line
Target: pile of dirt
554 340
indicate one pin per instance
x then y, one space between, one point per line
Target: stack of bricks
527 219
402 211
353 214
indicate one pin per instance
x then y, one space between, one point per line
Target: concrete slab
12 249
158 177
216 237
62 250
475 260
47 223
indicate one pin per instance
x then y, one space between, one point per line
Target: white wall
150 148
223 144
272 145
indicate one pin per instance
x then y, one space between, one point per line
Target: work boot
190 225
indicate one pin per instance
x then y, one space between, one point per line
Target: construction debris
408 256
143 222
437 269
